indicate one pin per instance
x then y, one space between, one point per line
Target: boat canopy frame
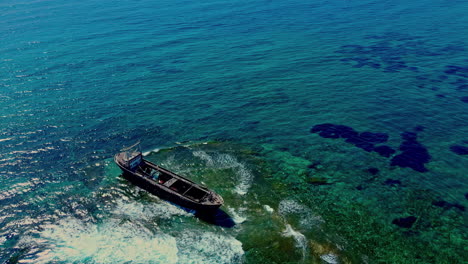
132 156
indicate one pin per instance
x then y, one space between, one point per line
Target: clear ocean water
336 131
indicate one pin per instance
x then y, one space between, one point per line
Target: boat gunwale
207 202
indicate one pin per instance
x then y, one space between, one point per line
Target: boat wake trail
74 241
127 236
139 211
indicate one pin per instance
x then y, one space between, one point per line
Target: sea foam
225 161
139 211
200 248
74 241
299 238
307 217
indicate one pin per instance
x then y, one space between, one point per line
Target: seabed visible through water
284 209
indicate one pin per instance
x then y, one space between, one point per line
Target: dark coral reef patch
365 140
458 149
373 171
387 53
447 205
457 70
384 151
405 222
392 182
414 155
454 76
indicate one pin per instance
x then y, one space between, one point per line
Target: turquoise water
250 79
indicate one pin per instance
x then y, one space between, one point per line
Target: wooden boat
164 183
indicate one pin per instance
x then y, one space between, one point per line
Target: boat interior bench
196 193
185 189
170 182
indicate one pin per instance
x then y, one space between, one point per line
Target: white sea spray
138 211
245 177
307 217
237 216
208 248
74 241
268 208
225 161
299 239
330 258
203 156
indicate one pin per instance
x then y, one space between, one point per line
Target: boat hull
157 189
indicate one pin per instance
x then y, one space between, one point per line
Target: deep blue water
80 80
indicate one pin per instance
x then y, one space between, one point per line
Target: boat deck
169 183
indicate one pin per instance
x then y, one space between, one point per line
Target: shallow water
227 92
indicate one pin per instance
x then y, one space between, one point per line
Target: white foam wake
126 237
115 241
245 180
268 208
208 248
73 241
307 216
299 238
140 211
225 161
204 156
236 216
330 258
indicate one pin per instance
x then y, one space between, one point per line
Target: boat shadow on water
217 217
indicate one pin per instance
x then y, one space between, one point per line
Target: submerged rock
462 87
318 181
457 70
441 203
373 171
388 53
458 206
405 222
328 130
392 182
414 155
365 146
364 140
314 165
384 151
411 159
321 127
458 149
409 136
447 205
374 137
